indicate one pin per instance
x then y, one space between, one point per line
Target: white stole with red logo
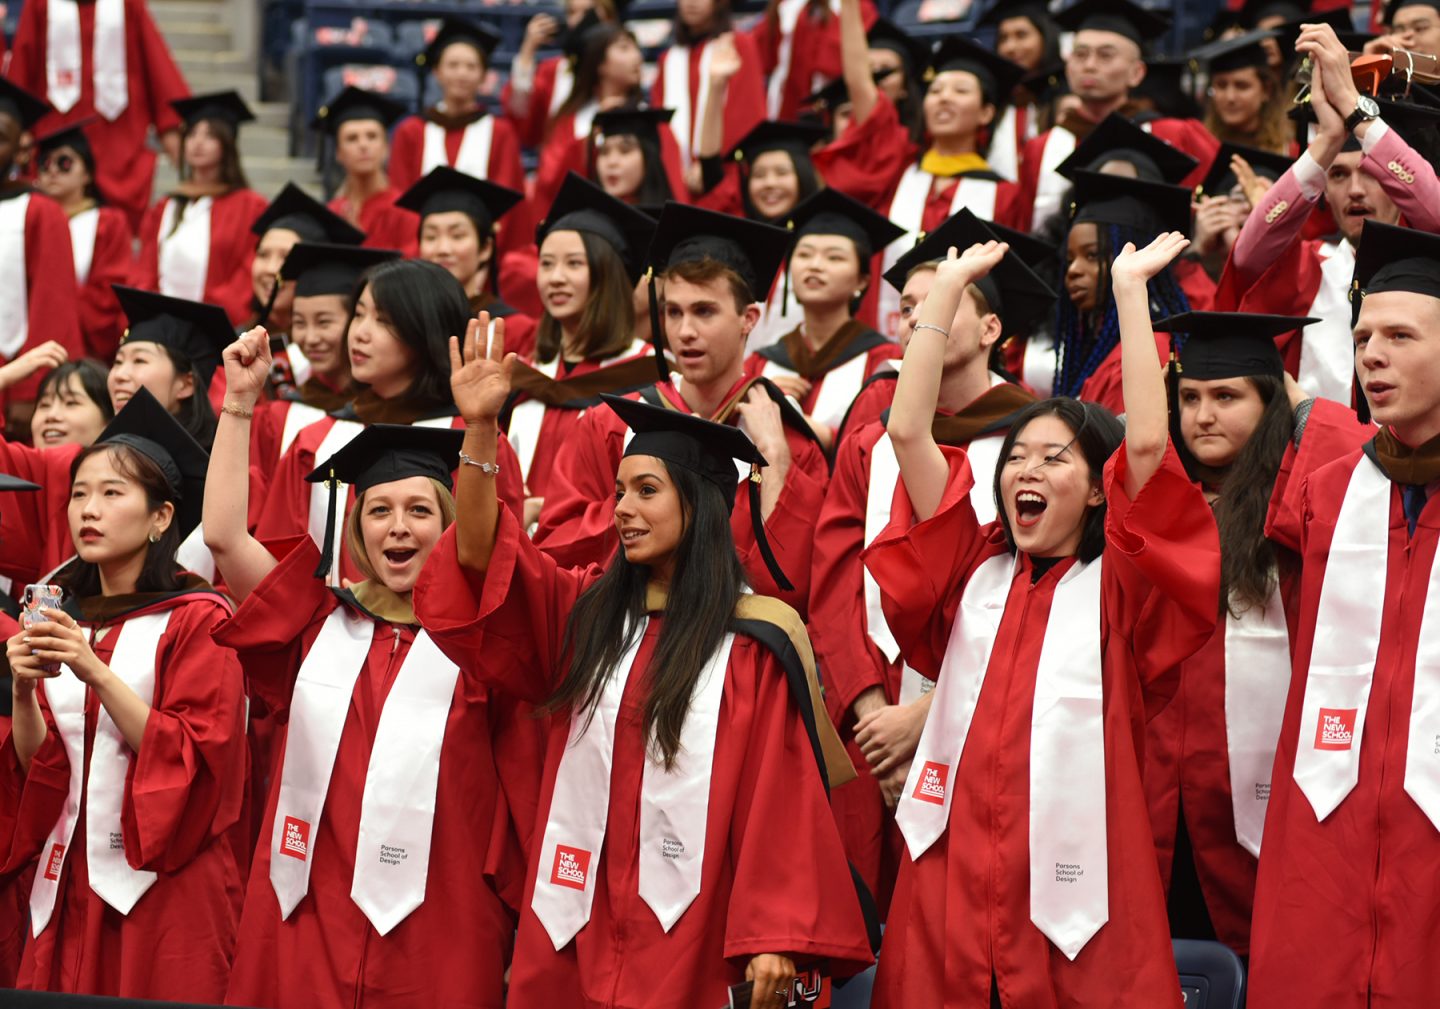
14 283
64 61
473 158
111 877
674 805
397 811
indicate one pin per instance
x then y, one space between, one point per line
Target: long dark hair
195 414
587 69
1098 433
159 573
805 174
1082 343
232 174
91 376
425 306
607 322
654 188
1248 560
707 582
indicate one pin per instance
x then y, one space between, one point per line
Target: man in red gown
356 122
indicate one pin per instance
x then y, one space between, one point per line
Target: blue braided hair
1083 343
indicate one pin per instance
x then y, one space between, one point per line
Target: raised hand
1254 186
1137 266
480 371
48 355
724 59
974 263
247 367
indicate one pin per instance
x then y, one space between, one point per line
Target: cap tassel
757 523
327 549
264 319
657 335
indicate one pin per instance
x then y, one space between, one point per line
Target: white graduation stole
564 84
1257 680
780 314
907 210
185 250
64 62
1004 153
111 877
675 76
1037 368
298 416
984 453
15 301
194 556
585 119
473 158
300 367
674 806
838 387
1050 185
82 242
788 15
1327 347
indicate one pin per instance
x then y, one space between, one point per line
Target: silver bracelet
488 468
925 325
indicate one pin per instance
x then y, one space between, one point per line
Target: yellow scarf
947 165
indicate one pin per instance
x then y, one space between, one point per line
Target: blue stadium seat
1211 975
10 17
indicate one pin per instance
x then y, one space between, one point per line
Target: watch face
1367 105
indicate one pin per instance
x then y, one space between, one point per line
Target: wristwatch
1366 109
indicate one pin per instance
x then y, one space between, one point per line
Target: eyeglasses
58 163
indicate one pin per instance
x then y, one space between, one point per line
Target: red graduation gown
182 795
577 526
874 399
814 55
34 525
327 955
125 162
49 286
874 358
963 910
532 127
744 99
232 247
774 878
563 152
101 321
386 226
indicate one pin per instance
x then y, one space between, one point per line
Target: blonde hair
355 539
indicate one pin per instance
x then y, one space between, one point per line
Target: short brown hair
355 541
706 270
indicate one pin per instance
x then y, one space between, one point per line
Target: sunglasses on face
59 163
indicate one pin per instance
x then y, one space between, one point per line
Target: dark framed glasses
59 163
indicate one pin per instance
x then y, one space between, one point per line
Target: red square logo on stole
55 861
931 786
571 868
1336 729
295 841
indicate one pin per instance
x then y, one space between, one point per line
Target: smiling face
142 363
774 185
955 107
1238 97
1397 357
1355 197
620 165
563 277
825 270
705 329
450 239
1019 41
66 415
317 326
1218 417
1046 489
379 358
270 255
649 513
400 523
1082 266
110 517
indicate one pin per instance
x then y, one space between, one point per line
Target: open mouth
399 558
629 536
52 435
1029 506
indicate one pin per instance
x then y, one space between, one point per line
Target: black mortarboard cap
354 104
1150 208
148 428
296 210
772 135
1167 88
583 206
831 212
320 268
384 453
1235 53
997 75
444 189
1391 258
199 331
454 30
752 249
1118 139
70 135
886 34
227 106
1221 177
1037 11
21 105
1120 16
836 93
1252 12
1014 292
1393 7
705 448
1221 345
8 482
635 122
1033 251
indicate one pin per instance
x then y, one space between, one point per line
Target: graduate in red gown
535 92
460 223
37 273
195 242
1367 172
877 702
629 151
1351 826
740 874
1052 633
592 252
1026 35
799 46
100 236
125 769
358 123
108 64
395 345
823 362
1106 63
874 160
73 405
712 266
325 917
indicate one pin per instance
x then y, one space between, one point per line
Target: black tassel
757 523
327 549
264 319
657 331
